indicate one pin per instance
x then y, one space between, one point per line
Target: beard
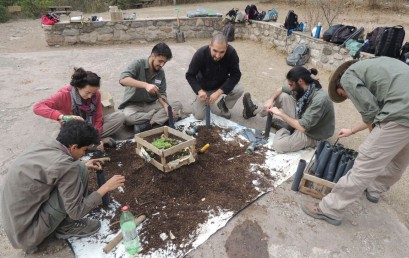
155 68
299 91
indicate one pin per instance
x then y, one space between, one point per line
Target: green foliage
163 142
4 14
90 6
34 8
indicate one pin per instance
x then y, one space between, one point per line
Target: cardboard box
108 105
116 16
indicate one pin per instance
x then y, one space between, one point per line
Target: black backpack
342 34
299 56
372 39
330 32
251 12
291 21
228 31
261 15
391 42
404 54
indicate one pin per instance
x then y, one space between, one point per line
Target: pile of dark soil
178 201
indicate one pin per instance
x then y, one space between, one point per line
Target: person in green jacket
301 105
378 88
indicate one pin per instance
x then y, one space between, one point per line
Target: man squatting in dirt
82 100
378 88
145 102
305 107
46 189
213 71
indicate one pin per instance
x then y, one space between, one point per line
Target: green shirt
318 118
139 70
379 89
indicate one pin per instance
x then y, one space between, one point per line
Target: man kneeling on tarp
45 190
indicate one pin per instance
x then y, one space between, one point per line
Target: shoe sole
66 236
371 198
334 222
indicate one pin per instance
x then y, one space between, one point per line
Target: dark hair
82 78
77 132
161 49
300 72
219 38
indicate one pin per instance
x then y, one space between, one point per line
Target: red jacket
60 104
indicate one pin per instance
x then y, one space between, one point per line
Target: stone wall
107 32
323 54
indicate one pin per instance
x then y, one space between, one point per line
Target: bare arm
270 102
345 132
130 82
291 121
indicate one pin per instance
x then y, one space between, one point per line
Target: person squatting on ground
305 107
82 100
145 102
213 71
46 189
378 88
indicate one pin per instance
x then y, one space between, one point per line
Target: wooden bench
137 5
60 9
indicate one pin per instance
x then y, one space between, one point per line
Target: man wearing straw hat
378 88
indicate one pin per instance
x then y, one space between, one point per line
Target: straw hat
334 81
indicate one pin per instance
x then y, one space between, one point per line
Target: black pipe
323 160
269 122
100 182
298 175
208 126
348 167
171 122
332 165
341 167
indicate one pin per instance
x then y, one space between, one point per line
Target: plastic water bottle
128 228
318 30
305 29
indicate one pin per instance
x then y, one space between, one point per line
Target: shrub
4 14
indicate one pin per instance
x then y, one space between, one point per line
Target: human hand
94 165
345 132
114 182
214 97
152 89
268 104
275 111
202 95
100 147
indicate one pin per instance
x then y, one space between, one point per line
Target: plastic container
318 31
305 28
128 228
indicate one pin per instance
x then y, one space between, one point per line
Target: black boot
249 106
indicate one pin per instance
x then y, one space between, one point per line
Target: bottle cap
125 208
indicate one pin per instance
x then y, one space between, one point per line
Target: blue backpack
271 15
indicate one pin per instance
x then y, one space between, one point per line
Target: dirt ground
263 69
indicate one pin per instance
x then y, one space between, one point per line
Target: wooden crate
164 153
314 186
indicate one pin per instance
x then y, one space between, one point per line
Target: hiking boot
372 197
77 228
142 127
31 250
279 124
108 142
249 107
224 111
313 210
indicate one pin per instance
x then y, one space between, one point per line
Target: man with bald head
214 71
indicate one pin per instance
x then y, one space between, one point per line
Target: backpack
372 39
49 19
231 15
391 42
405 51
251 12
228 31
291 21
239 16
271 15
261 16
342 34
299 56
330 32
